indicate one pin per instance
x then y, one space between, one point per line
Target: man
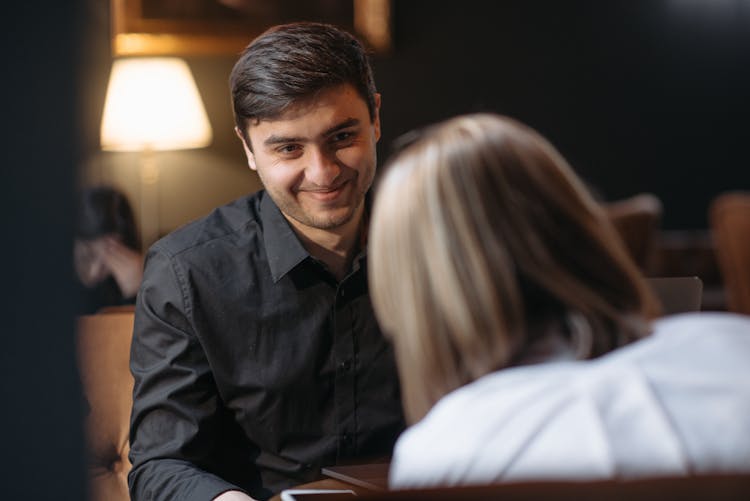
256 355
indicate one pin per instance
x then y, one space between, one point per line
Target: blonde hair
482 235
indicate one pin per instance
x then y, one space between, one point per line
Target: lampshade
153 104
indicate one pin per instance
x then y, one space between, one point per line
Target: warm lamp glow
153 104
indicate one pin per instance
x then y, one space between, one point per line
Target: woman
498 278
107 259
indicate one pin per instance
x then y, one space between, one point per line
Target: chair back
637 220
103 347
730 225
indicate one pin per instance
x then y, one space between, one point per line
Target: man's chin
331 221
329 218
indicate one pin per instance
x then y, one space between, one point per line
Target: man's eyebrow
274 139
349 122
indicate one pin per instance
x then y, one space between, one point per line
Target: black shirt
253 366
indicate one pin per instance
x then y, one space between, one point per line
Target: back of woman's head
104 211
482 237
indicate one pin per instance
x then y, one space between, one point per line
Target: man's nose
322 168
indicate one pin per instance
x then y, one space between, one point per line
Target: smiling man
256 354
317 161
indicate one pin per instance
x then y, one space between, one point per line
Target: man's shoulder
233 223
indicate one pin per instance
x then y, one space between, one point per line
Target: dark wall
639 95
40 398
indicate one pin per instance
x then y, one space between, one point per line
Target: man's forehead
297 109
329 109
337 95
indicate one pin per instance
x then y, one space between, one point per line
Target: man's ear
248 152
376 115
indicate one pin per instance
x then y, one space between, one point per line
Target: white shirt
677 402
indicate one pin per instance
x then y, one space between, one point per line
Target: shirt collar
283 249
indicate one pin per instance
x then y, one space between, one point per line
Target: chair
677 294
729 216
688 253
103 347
637 220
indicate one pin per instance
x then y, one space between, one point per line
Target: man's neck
335 247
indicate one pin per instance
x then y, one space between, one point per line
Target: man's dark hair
292 62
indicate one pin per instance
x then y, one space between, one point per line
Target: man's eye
288 149
343 138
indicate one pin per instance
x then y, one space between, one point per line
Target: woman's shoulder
705 338
701 322
494 414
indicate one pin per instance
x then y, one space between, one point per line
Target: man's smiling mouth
326 194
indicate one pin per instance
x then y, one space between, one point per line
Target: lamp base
149 199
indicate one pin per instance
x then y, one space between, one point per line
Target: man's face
317 160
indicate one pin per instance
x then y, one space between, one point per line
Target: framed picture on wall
200 27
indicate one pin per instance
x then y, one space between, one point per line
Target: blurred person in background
526 338
107 257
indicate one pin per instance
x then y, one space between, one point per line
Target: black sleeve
174 425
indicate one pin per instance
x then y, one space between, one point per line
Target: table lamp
152 104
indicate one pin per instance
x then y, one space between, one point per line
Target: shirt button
345 365
342 293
